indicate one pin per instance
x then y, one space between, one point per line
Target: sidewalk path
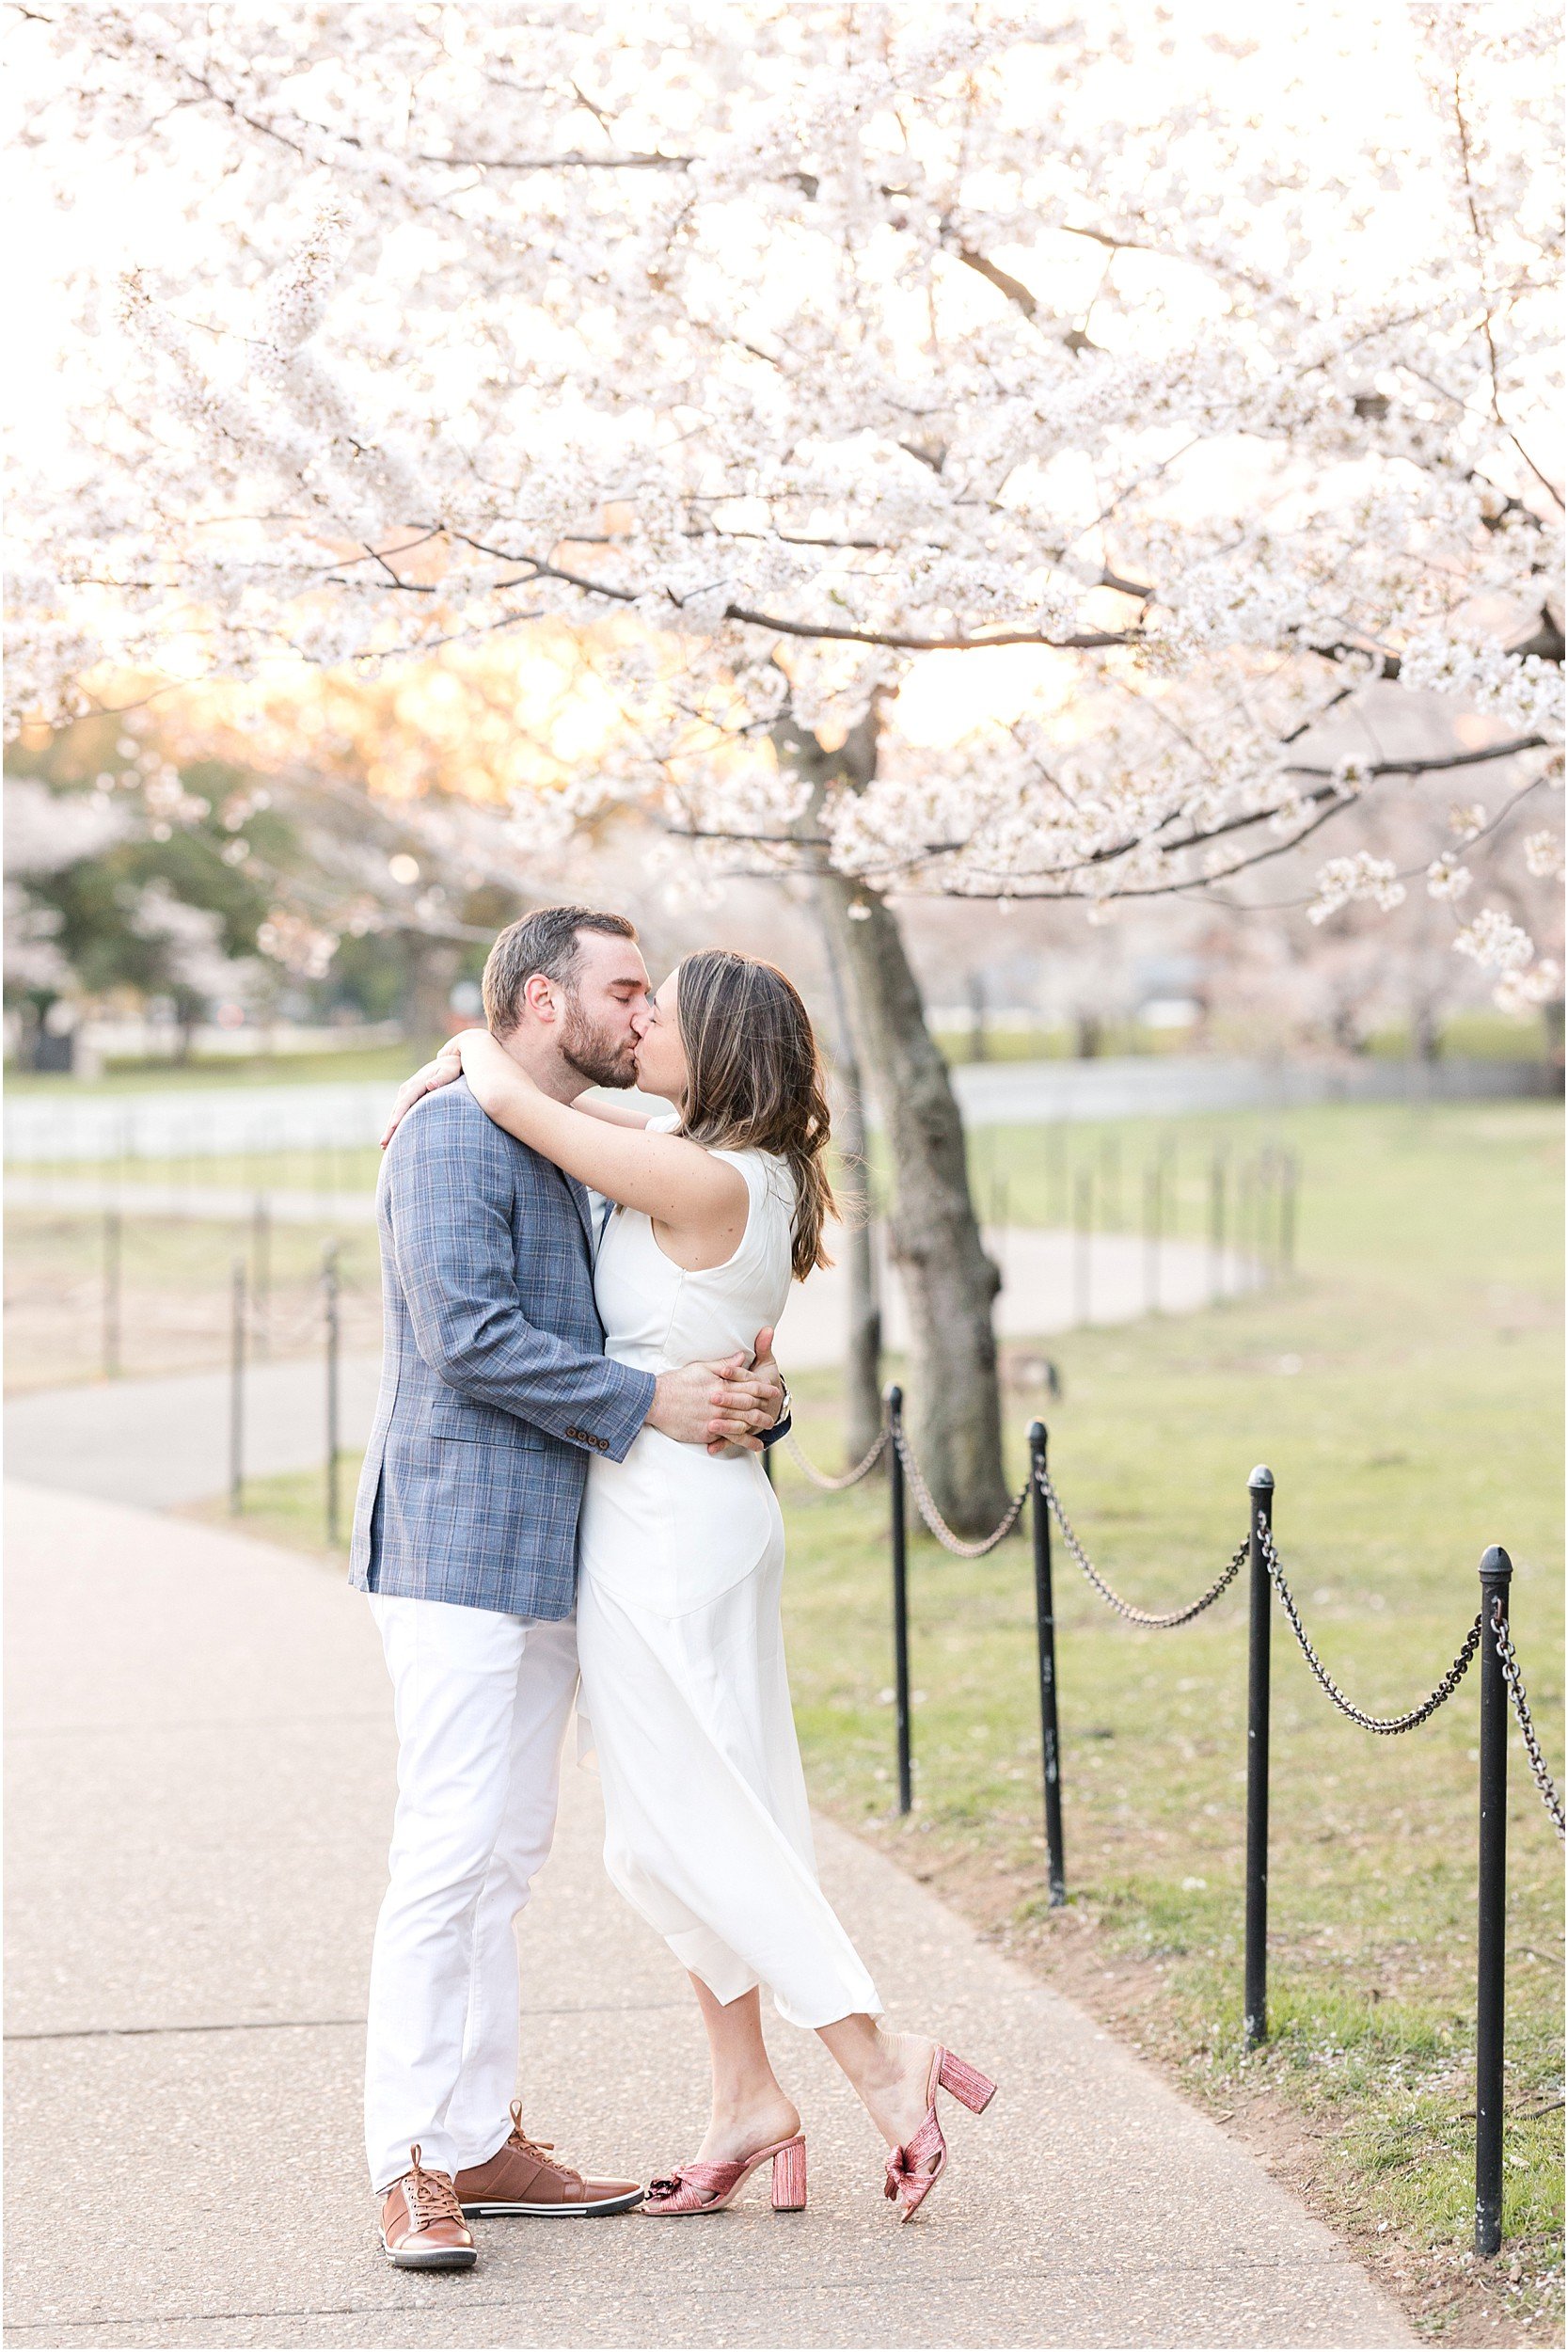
199 1789
161 1441
165 1441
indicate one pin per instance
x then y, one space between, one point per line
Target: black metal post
1254 2004
260 1271
113 1252
1083 1246
999 1225
1246 1233
329 1302
899 1529
1045 1624
1490 1900
1288 1213
1110 1182
1271 1212
1056 1176
236 1389
1151 1238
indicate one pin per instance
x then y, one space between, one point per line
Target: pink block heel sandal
709 2187
913 2170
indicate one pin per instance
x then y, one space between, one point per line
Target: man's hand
766 1373
719 1404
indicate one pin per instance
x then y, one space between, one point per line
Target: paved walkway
200 1788
166 1440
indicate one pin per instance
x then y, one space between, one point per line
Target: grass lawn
358 1062
1406 1391
1482 1033
174 1292
323 1168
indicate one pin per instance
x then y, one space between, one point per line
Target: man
494 1389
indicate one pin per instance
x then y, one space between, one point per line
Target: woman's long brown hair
754 1081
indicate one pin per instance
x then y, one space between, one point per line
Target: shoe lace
543 2149
431 2196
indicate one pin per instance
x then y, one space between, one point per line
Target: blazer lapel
583 1207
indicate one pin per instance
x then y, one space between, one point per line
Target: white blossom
1345 879
1447 878
46 832
1521 992
301 947
1496 941
1217 386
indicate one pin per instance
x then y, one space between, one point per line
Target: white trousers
482 1702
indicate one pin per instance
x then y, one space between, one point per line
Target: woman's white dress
707 1829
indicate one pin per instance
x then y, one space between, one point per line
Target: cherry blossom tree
981 449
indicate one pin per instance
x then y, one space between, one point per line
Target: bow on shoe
911 2170
669 2188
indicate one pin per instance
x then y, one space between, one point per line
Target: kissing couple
564 1482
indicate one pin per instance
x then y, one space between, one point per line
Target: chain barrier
925 1503
1164 1621
1387 1724
1508 1661
829 1485
1157 1621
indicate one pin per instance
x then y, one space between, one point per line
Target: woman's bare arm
683 1187
613 1114
446 1065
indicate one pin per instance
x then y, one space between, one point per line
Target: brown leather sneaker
421 2223
524 2177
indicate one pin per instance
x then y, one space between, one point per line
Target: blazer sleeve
448 1205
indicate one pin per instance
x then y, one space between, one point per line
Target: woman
714 1209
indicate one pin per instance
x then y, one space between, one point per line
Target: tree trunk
933 1237
433 968
977 1017
862 1363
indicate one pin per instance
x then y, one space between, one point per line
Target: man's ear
539 998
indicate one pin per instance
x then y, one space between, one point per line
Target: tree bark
862 1363
433 967
933 1237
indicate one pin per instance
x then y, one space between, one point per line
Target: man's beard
593 1052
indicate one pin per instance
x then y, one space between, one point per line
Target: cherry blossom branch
1086 640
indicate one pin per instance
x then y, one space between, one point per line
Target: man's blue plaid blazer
495 1386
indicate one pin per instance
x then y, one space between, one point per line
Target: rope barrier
841 1485
925 1503
1510 1664
1152 1620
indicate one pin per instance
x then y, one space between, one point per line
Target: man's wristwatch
781 1428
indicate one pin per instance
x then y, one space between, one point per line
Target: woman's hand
447 1066
495 1079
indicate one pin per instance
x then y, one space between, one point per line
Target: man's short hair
547 940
